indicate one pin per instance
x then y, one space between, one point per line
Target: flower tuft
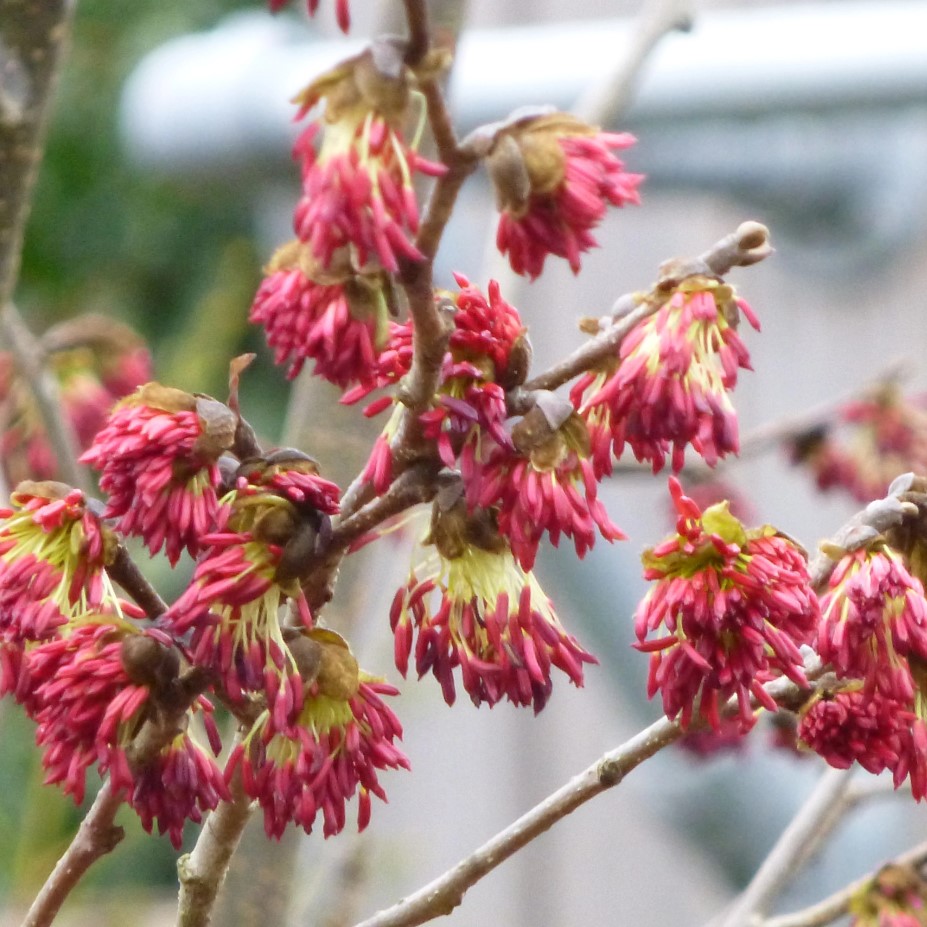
669 388
554 177
730 609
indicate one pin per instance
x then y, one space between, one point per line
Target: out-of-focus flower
554 178
873 440
895 897
331 747
158 458
471 606
730 607
669 387
358 211
94 361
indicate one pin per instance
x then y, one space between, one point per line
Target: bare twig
608 101
125 572
32 40
837 905
812 825
96 836
445 893
203 870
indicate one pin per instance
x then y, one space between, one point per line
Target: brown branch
419 31
748 245
32 40
411 488
96 836
838 904
125 571
202 871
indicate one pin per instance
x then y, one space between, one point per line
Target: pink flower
53 552
730 608
333 747
546 484
487 354
670 388
873 616
157 455
554 178
85 704
471 606
178 785
249 569
358 208
341 324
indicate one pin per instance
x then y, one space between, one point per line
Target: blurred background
167 184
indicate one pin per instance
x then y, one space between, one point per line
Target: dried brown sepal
306 653
339 674
219 425
519 364
148 662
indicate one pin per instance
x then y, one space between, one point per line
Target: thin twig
203 870
838 904
32 40
125 571
29 359
812 824
606 102
96 836
445 893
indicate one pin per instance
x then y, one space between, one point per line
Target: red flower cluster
327 295
157 455
670 387
333 749
244 576
874 632
487 353
554 177
731 608
341 326
545 484
873 617
471 606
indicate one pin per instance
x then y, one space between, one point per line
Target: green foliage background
177 263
